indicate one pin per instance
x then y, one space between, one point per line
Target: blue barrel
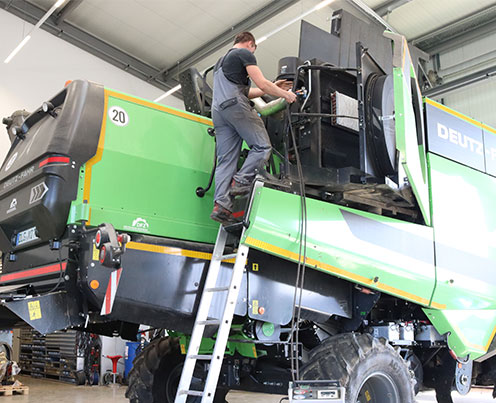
131 347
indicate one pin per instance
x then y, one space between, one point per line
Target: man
235 120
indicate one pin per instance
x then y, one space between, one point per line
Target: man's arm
267 87
283 84
255 93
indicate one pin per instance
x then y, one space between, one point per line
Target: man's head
245 40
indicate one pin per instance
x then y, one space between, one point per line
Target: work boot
239 189
222 215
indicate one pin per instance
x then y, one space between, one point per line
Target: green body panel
464 221
345 242
243 348
411 155
469 331
465 236
148 173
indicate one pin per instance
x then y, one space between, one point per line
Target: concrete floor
48 391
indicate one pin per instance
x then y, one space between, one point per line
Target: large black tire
156 372
369 369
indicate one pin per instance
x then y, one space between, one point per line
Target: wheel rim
378 388
173 382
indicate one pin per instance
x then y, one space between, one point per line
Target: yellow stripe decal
468 343
490 339
162 108
340 272
405 47
97 157
167 250
459 115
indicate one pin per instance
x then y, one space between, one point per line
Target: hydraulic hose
269 108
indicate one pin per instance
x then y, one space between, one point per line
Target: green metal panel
382 253
149 171
243 347
464 222
411 154
469 331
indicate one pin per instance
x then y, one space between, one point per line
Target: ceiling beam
226 37
387 7
82 39
457 33
461 82
69 7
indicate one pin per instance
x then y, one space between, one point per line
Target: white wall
112 346
42 67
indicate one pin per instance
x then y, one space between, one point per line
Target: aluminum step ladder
202 320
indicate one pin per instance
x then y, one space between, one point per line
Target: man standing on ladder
235 120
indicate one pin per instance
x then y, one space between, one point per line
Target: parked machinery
102 228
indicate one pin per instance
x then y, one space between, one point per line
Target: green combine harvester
371 241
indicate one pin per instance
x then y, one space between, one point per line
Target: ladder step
229 256
200 357
191 392
216 289
210 322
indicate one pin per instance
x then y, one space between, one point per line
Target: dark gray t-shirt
234 65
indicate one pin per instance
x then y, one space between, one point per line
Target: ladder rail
225 327
201 316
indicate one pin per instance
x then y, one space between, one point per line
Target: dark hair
244 37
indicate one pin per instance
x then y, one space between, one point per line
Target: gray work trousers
233 125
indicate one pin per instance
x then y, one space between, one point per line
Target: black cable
61 275
303 241
284 398
300 273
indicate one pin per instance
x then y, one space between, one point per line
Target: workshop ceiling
165 33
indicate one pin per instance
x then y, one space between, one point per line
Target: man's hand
267 86
290 97
284 84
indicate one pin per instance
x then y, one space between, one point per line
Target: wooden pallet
9 390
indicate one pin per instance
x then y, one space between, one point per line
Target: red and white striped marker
113 283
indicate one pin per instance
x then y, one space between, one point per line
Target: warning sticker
96 253
255 307
34 310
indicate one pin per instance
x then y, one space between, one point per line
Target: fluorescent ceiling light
320 5
38 24
170 92
17 49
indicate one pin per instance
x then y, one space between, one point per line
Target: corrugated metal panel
159 32
285 42
422 16
477 101
479 47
